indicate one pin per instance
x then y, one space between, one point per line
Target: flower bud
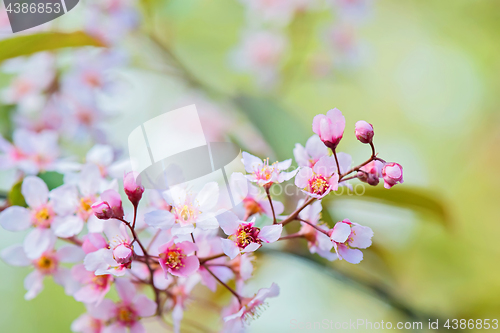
330 128
364 131
393 174
123 253
133 187
113 199
102 210
371 172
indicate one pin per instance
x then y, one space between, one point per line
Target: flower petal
14 255
230 248
326 166
354 256
144 306
38 241
15 218
229 222
126 290
35 191
208 196
340 232
271 233
160 219
70 254
251 162
68 226
33 283
64 199
362 236
303 177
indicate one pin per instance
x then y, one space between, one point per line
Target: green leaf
280 129
414 198
52 179
15 196
44 41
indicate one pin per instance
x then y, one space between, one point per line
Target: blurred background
424 73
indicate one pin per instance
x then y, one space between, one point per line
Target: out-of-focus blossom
252 307
330 128
317 241
94 288
47 264
180 296
347 236
260 53
188 209
244 237
310 154
88 322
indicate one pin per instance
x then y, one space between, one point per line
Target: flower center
126 315
43 217
173 258
247 234
46 264
318 184
101 281
186 214
85 209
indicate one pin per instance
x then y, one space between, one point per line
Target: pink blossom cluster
156 249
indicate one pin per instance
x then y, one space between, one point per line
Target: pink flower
180 296
39 214
317 241
95 287
93 242
308 156
330 128
127 313
252 307
244 236
346 235
393 174
133 187
187 210
110 206
88 323
177 259
47 264
320 180
371 172
254 200
364 131
265 175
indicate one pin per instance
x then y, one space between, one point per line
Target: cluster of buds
172 243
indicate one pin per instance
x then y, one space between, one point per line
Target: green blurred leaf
15 196
44 41
280 129
5 120
52 179
414 198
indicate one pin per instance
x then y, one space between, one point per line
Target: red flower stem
314 226
336 160
204 260
293 216
271 203
225 285
292 236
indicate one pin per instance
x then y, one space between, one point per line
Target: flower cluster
155 248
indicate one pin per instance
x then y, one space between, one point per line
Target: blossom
346 235
180 296
187 210
364 131
313 151
330 128
94 288
317 241
251 307
127 313
88 322
133 188
265 175
244 236
40 214
319 180
393 174
177 258
254 201
371 172
47 264
110 206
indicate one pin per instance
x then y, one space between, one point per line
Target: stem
135 216
291 236
336 160
225 285
372 158
314 226
293 216
271 203
204 260
194 242
73 240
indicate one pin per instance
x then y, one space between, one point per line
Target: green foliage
15 196
44 41
52 179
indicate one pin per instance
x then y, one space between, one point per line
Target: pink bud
102 210
393 174
114 201
123 253
133 187
364 131
371 172
330 128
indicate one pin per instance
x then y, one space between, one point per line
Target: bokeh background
424 73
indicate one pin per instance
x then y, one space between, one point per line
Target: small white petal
14 255
35 191
15 218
